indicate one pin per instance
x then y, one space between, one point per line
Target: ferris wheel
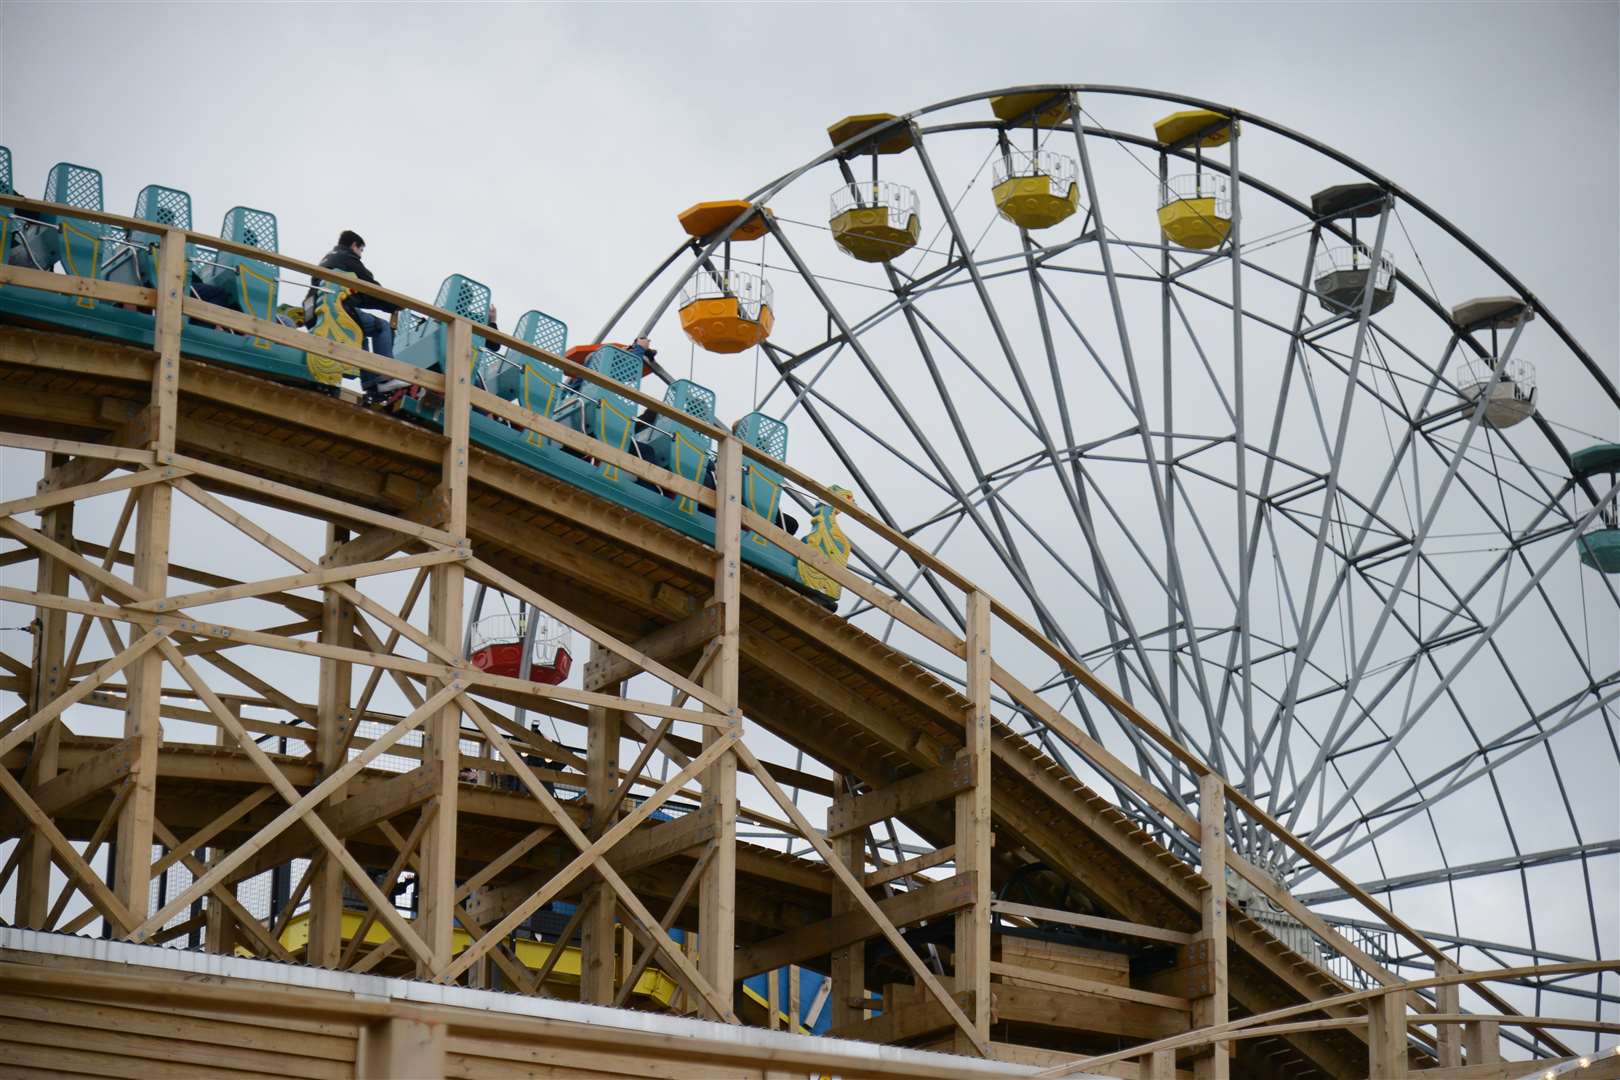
1306 473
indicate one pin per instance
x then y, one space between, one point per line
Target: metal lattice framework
1371 618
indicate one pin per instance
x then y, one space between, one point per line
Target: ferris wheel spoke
1172 556
1457 776
1484 638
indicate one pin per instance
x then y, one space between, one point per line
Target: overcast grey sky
545 149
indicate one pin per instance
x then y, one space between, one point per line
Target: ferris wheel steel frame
978 498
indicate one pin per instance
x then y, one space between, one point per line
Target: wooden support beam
819 939
331 727
606 669
1482 1042
143 719
848 968
896 871
597 937
1448 999
47 679
717 891
1095 922
401 1046
1386 1037
1210 1010
971 954
441 749
896 799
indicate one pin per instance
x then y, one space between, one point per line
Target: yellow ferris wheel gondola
726 310
1195 209
1037 189
876 221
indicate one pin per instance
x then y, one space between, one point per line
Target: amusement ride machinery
1235 447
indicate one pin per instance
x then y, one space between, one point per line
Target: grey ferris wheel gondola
1223 436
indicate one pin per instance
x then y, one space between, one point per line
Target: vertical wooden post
773 1000
1386 1037
142 719
971 954
219 929
1448 1037
795 1000
1210 1009
1161 1065
717 898
400 1047
848 972
601 782
332 722
47 683
1483 1042
441 751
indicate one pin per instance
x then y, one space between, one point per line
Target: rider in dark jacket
379 334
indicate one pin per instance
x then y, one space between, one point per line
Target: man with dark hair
345 257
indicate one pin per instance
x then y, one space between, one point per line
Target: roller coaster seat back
41 243
533 384
762 486
135 262
675 446
421 341
5 211
253 283
602 414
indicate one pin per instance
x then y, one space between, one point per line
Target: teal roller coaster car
62 243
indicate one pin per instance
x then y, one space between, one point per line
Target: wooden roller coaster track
916 955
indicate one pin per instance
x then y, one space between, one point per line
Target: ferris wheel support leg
142 720
441 750
717 896
50 643
332 723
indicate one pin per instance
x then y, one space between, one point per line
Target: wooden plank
597 937
74 285
818 939
971 955
847 970
1089 986
1094 922
896 871
1386 1038
908 793
309 579
1085 1012
81 492
666 643
1210 1010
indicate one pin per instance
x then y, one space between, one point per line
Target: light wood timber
1018 972
717 888
1210 1010
334 691
848 966
971 954
896 799
441 749
1094 922
401 1046
142 720
606 668
909 867
46 680
597 936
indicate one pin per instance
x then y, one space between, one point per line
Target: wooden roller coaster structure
729 642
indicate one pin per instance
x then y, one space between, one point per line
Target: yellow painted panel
1028 202
1193 223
